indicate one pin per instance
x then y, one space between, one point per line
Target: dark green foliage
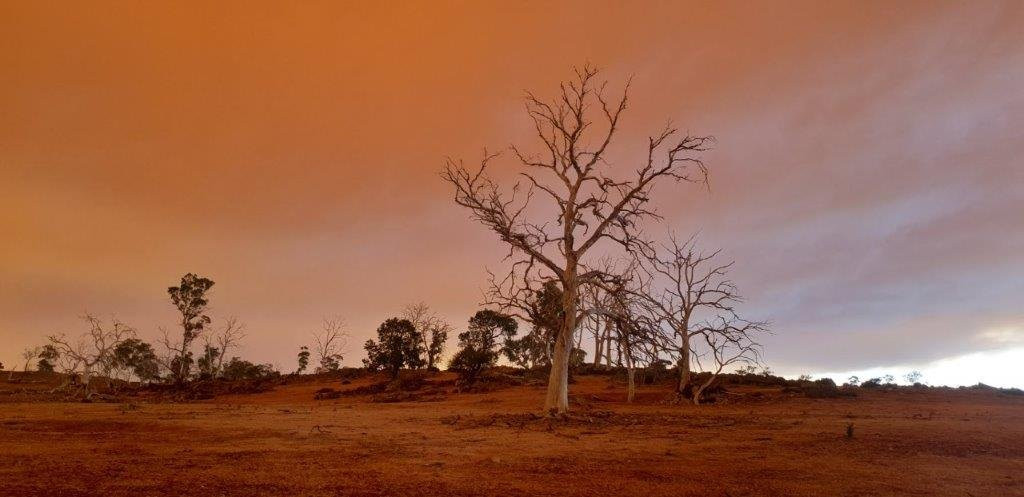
546 308
545 312
438 338
470 362
138 357
47 358
190 300
303 359
207 362
478 345
486 327
237 369
824 388
331 362
872 383
576 358
398 345
527 352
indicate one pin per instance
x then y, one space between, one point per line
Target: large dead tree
94 349
593 201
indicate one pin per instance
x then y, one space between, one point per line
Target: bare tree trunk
607 349
700 390
684 366
86 376
631 383
557 399
630 376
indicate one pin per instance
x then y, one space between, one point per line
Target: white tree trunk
557 398
631 382
684 366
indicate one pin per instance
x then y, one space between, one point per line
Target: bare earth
282 442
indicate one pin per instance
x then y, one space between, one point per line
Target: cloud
867 177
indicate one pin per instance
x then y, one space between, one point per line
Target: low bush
825 388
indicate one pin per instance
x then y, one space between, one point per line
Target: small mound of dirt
405 388
491 382
583 419
205 389
327 393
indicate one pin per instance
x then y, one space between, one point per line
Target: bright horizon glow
997 368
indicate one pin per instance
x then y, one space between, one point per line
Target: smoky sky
866 175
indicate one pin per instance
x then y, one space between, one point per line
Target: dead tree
630 323
433 330
228 337
329 343
28 354
682 287
94 349
593 201
726 342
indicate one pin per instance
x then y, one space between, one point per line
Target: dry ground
283 442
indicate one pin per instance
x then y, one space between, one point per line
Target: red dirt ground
282 442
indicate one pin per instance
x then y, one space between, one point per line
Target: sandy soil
934 442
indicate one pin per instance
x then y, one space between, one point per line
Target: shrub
237 369
872 383
825 388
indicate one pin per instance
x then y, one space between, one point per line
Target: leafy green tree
48 358
237 369
207 363
138 357
398 345
527 352
303 359
190 299
478 345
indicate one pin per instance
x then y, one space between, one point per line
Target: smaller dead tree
682 286
27 355
629 323
433 331
216 347
726 342
329 344
94 349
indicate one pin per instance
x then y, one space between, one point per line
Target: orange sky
867 176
